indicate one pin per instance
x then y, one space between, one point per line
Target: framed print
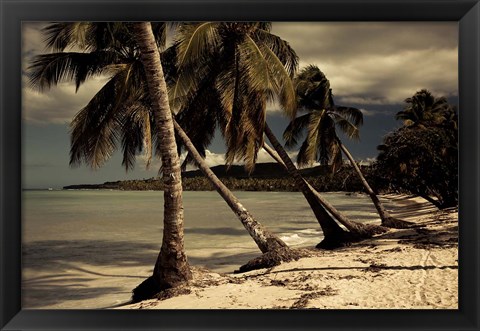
239 165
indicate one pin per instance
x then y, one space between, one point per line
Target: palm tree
321 122
357 231
423 109
121 112
425 147
171 268
227 73
96 127
227 65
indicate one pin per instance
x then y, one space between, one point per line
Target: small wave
310 232
293 239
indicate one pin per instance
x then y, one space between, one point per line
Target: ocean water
88 249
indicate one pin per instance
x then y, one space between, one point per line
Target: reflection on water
88 249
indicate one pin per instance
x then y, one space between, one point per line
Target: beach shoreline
411 268
402 269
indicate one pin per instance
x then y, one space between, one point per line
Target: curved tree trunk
387 219
265 240
171 268
334 235
358 229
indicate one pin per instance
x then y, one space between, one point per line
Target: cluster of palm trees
422 156
160 101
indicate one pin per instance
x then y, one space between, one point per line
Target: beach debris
304 299
271 259
396 223
374 267
173 292
275 282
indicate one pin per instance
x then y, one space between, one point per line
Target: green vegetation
422 156
236 179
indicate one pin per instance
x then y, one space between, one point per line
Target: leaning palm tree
121 112
227 73
321 121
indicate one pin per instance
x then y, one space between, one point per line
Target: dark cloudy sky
371 66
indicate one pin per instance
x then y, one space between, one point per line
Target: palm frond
199 119
133 134
308 152
227 80
254 66
96 128
159 30
302 159
184 79
348 128
48 70
283 84
345 125
281 48
295 129
326 137
336 157
351 114
244 131
61 35
194 41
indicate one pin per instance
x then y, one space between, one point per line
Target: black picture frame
13 12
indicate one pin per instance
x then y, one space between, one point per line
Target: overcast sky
371 66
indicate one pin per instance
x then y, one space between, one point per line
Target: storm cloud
367 64
379 63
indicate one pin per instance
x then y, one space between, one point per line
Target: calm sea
88 249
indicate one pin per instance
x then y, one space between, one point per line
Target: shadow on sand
65 268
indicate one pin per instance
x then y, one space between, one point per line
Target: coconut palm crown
227 72
83 50
423 109
322 118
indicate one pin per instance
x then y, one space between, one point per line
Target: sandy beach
402 269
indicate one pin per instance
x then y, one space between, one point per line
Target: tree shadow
52 254
217 231
43 294
372 268
64 275
218 259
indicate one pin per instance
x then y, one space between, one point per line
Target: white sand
413 268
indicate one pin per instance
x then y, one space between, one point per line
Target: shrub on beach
423 161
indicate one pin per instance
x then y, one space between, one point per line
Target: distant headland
265 177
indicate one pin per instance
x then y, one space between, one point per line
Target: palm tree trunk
171 268
358 229
387 219
265 240
334 235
